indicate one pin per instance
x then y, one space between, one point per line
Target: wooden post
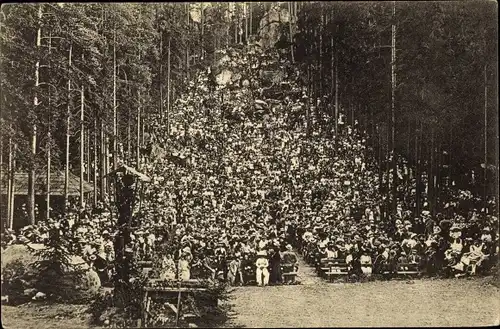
177 316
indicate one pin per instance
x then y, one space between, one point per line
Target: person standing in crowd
184 265
234 271
275 263
166 267
262 273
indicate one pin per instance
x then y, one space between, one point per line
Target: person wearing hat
262 273
456 242
366 262
418 226
290 260
234 270
414 257
275 264
184 265
166 267
486 235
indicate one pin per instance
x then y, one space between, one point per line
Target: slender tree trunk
290 25
68 118
336 95
115 115
106 163
417 167
160 79
450 158
168 86
103 161
332 78
393 114
94 167
437 177
138 137
88 163
49 138
430 189
202 19
380 162
485 181
82 144
10 175
250 14
12 185
408 145
129 134
187 47
31 179
3 220
31 174
245 10
236 19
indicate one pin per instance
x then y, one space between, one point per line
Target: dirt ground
44 316
315 303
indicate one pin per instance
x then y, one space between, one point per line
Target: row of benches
331 268
288 273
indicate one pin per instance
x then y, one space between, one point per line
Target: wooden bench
407 269
404 270
146 266
288 273
333 267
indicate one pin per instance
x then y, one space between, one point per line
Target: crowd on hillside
243 181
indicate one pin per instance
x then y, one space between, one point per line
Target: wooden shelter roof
56 184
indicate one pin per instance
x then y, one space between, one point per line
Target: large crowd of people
243 181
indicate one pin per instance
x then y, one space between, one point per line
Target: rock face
19 258
270 26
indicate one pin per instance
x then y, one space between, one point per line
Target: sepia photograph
249 164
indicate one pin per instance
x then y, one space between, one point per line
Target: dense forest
82 84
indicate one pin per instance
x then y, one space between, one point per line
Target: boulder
70 286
